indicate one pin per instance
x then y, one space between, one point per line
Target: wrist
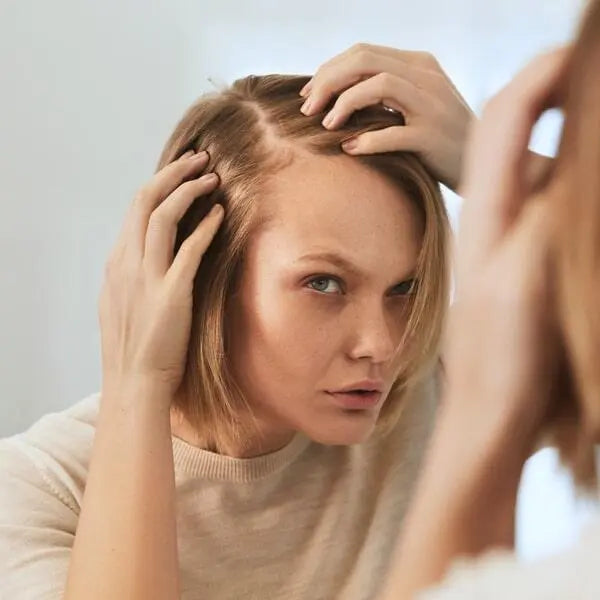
488 451
477 475
139 389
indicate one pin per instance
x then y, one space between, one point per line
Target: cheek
291 328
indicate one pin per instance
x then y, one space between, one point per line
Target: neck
268 438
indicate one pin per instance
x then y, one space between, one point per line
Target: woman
269 371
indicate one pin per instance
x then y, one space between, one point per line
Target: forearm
464 503
126 542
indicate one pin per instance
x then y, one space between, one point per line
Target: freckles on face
301 313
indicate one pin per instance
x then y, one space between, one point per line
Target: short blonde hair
246 130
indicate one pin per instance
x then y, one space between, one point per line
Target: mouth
359 399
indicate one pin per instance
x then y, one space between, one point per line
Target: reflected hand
412 83
502 344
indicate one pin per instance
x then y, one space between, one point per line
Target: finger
307 88
422 60
188 258
384 88
342 56
348 70
495 175
162 226
129 220
356 48
151 195
391 139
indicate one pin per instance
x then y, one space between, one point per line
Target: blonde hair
250 131
576 208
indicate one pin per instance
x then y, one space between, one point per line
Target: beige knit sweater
309 521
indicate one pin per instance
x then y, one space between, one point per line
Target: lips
364 385
356 400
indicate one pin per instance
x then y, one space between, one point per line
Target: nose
373 334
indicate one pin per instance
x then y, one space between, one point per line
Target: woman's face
322 302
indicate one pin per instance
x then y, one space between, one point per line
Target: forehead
337 204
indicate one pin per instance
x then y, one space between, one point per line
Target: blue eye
406 288
323 285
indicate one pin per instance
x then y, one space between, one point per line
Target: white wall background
90 91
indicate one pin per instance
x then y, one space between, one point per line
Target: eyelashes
316 284
407 288
331 285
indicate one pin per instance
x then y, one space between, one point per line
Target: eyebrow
344 264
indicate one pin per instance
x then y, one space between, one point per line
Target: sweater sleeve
37 528
498 575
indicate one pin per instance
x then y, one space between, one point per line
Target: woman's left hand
412 83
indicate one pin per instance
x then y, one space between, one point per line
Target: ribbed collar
196 462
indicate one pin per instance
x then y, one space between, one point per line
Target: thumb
391 139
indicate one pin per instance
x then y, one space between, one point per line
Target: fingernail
328 120
350 145
187 154
217 209
200 155
210 177
305 108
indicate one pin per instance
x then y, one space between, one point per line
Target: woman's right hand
145 305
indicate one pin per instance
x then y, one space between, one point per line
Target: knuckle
159 218
360 47
319 73
177 167
188 188
428 59
343 102
111 268
383 81
438 83
364 58
319 79
141 196
186 248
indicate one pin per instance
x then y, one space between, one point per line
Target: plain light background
90 92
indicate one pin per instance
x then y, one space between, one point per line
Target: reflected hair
576 209
251 131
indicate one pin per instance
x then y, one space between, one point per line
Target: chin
343 430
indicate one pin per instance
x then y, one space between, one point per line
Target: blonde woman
271 318
270 364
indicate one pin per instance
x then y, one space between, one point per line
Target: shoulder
42 477
51 455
